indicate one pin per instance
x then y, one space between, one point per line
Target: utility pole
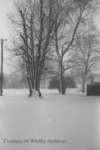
1 74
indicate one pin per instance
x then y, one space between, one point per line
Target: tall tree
34 24
69 15
86 57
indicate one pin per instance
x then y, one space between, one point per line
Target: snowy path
73 118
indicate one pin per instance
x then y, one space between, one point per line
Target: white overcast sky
5 7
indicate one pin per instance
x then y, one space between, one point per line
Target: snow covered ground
71 122
11 92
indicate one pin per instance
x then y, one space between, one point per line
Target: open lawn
71 122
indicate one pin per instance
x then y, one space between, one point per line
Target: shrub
68 82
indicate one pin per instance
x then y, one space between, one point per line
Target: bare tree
69 15
86 56
34 24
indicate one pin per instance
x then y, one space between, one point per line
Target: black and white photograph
49 74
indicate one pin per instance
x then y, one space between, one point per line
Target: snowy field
24 92
70 122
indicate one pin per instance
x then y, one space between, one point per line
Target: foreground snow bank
70 122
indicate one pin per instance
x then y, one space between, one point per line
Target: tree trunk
61 79
30 87
83 84
38 85
34 87
30 92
